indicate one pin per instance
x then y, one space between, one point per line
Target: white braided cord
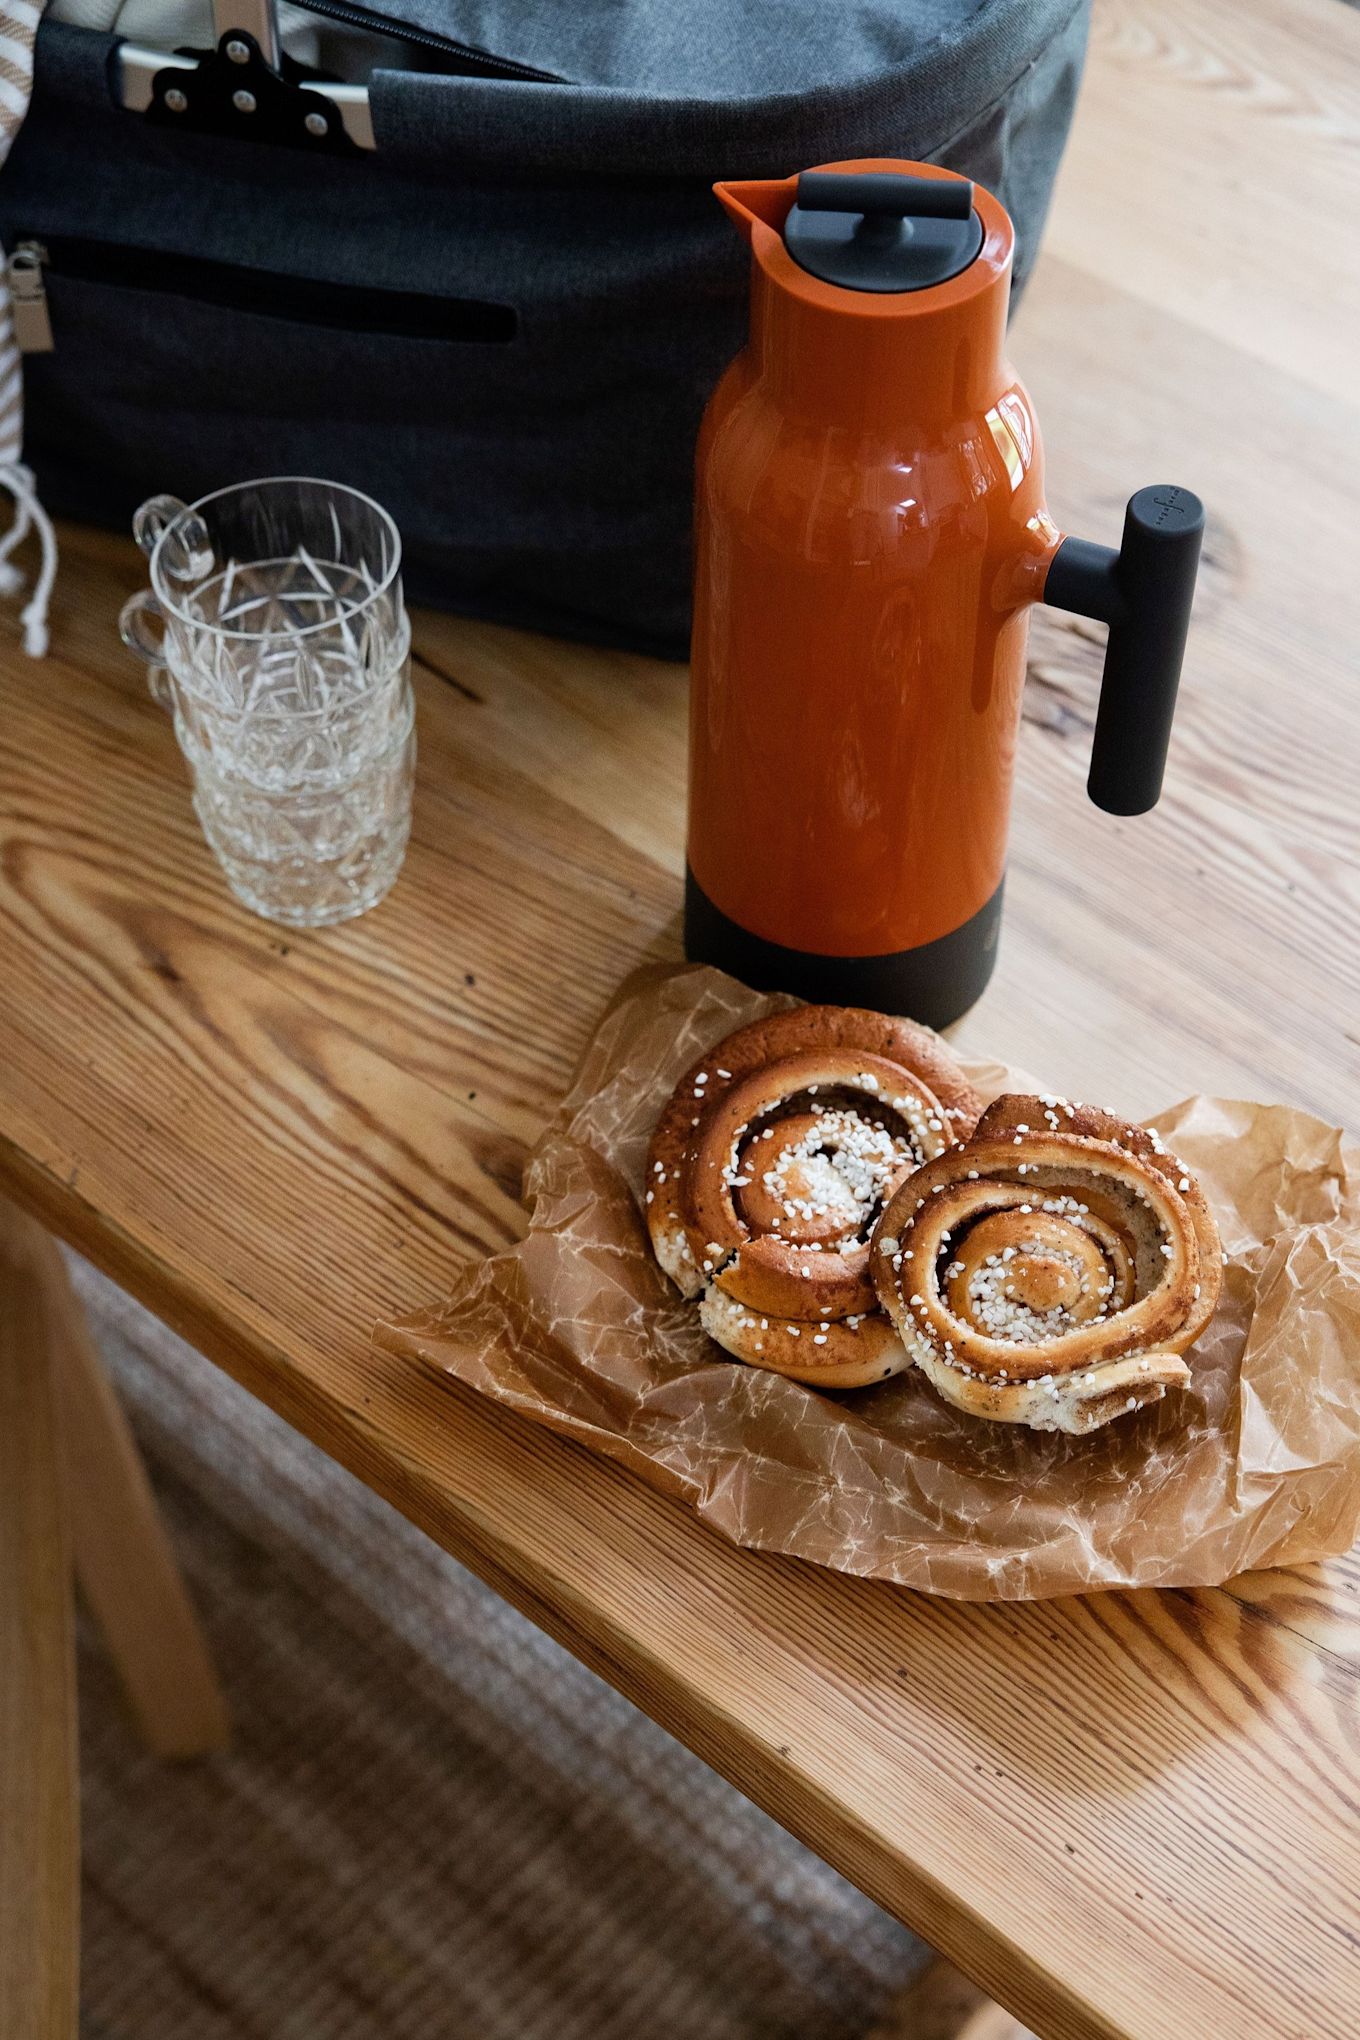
18 25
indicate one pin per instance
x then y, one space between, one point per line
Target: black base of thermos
935 982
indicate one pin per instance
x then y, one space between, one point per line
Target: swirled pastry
1052 1269
769 1167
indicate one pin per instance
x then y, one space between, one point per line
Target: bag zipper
477 63
343 307
28 298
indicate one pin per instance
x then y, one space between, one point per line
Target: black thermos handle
884 191
1143 592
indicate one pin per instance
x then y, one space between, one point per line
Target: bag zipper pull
28 298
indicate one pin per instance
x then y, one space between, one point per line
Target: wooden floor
1130 1816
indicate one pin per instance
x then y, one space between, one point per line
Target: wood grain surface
123 1557
39 1773
1131 1815
943 2005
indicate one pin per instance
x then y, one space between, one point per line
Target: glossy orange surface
870 531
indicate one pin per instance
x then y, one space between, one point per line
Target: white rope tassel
29 516
18 25
11 580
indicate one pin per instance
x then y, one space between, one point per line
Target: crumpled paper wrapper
1257 1464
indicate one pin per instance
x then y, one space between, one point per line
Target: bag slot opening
347 307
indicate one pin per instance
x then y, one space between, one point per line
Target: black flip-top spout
879 230
1143 592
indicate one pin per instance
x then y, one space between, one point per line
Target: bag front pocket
265 294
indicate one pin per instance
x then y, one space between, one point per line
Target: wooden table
1131 1815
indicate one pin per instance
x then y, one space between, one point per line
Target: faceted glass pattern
287 660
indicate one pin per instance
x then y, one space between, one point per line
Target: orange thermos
870 533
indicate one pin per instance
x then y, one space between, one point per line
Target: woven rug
432 1823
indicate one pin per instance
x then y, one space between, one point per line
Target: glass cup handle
151 520
188 555
137 628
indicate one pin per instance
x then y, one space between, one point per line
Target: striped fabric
18 25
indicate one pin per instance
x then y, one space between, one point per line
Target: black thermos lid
881 231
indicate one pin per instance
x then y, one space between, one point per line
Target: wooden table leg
39 1775
124 1562
943 2005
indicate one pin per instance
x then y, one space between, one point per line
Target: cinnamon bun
1052 1269
769 1168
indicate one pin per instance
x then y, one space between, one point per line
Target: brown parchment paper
1258 1464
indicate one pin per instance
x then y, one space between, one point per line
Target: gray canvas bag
504 318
